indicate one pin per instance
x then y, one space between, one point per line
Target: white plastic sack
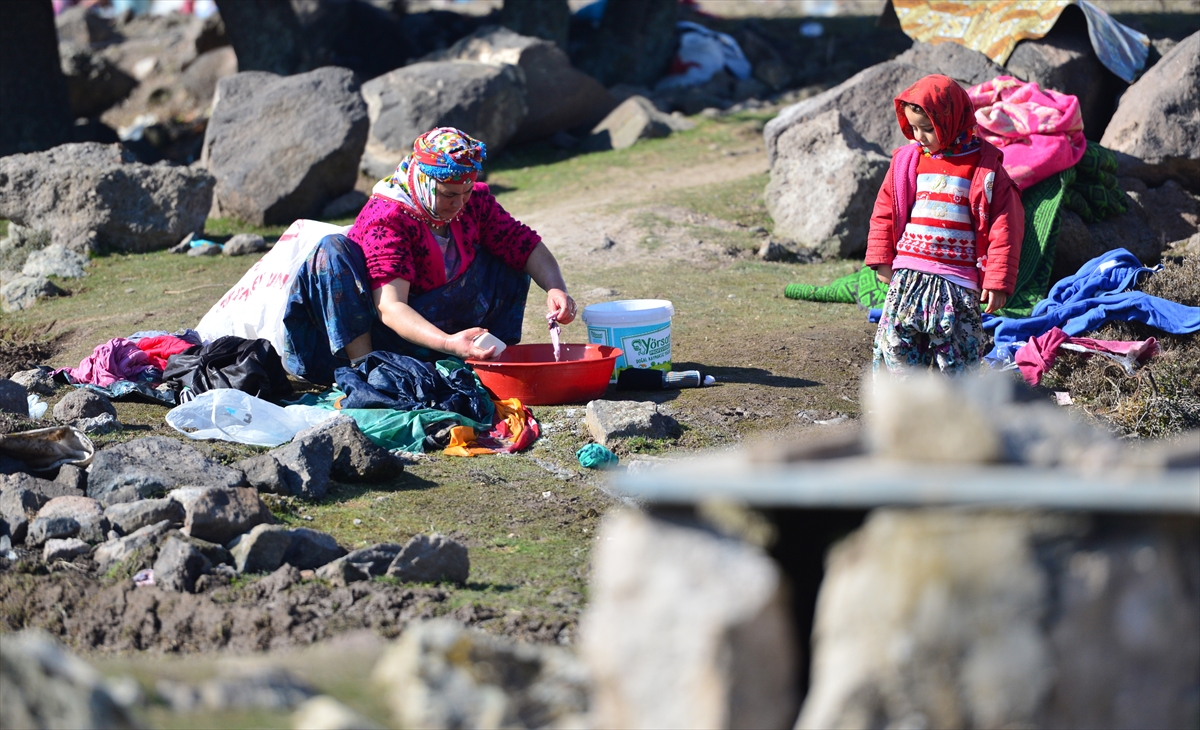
232 415
253 308
704 52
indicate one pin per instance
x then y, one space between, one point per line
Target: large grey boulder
120 549
967 66
55 260
266 547
363 564
22 292
132 516
43 686
13 397
355 457
559 96
686 628
94 83
439 674
954 618
85 511
1157 125
82 403
64 549
1065 61
219 514
178 566
823 186
634 119
430 558
152 466
1080 242
1172 212
281 147
485 101
610 421
94 197
299 469
865 100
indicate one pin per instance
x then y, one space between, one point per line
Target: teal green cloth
403 430
595 456
1043 205
862 287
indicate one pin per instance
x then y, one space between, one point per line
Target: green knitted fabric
1043 203
861 287
1094 195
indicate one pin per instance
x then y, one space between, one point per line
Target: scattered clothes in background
159 348
1100 292
1043 216
595 456
251 366
117 359
702 53
1039 130
231 415
515 429
994 28
1038 354
862 287
388 380
1093 194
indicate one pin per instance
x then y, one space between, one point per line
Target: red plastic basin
528 372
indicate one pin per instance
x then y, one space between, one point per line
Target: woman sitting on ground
431 263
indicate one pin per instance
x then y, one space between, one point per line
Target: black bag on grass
251 366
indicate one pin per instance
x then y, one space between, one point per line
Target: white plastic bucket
640 327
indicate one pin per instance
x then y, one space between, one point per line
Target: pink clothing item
1038 355
1040 131
398 246
159 349
965 276
117 359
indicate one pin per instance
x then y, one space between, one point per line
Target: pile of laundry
236 389
1104 290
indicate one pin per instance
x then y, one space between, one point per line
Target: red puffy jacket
996 211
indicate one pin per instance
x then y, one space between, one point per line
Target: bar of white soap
486 340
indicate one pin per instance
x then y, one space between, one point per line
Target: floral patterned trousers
928 320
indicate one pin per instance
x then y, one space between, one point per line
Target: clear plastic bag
37 408
231 415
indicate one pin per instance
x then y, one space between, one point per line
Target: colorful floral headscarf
949 109
444 154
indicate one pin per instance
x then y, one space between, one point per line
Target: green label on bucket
646 349
598 335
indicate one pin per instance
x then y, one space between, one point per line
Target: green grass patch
740 201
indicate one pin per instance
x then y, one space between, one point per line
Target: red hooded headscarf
947 105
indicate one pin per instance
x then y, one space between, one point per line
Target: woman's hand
883 272
994 298
561 305
462 345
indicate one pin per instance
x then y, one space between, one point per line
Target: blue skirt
331 304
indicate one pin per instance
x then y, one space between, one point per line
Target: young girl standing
945 233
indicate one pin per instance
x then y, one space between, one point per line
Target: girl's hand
884 273
561 305
462 345
994 298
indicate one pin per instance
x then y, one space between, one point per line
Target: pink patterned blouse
397 246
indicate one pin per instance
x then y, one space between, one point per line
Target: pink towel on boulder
1039 130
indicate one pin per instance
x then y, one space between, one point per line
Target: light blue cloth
1099 293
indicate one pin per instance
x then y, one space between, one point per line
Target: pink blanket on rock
1039 130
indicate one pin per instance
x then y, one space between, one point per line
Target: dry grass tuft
1163 398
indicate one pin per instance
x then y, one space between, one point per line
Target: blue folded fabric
1081 303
